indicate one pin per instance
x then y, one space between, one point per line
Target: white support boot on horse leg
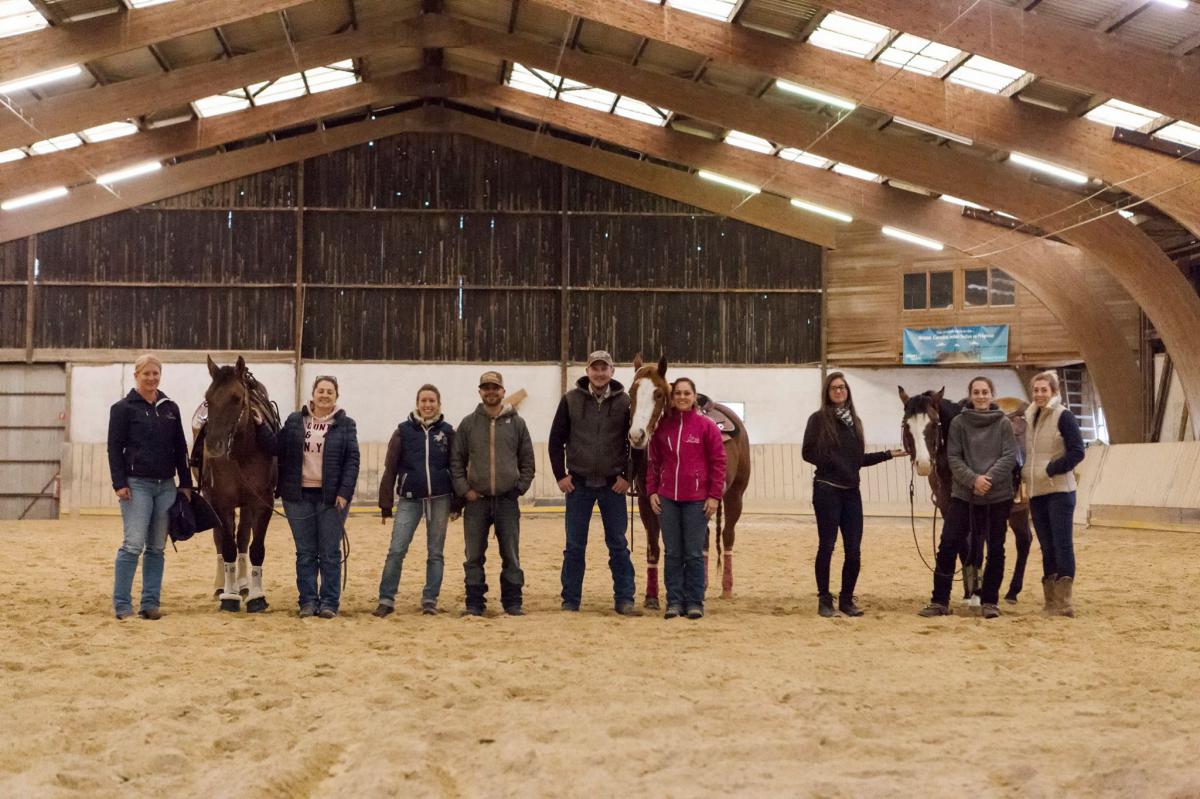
219 580
231 600
256 601
243 574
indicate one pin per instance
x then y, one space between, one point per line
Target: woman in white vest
1054 447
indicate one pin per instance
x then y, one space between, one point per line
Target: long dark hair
827 438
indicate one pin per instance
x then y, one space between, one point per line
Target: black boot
825 606
846 605
476 601
510 598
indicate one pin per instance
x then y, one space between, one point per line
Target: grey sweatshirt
982 442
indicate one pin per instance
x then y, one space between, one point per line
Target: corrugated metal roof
783 17
1161 27
1085 13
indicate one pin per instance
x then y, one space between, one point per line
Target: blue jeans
1054 520
505 514
317 530
436 511
579 516
683 530
145 518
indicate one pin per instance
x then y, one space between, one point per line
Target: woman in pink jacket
685 480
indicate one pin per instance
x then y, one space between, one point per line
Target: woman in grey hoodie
982 452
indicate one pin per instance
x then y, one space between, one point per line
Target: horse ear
937 395
903 394
212 368
662 367
637 362
241 366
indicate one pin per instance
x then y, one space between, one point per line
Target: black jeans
478 516
967 525
838 508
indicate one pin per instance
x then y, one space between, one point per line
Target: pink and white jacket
686 458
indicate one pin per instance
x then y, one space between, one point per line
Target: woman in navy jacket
146 449
416 472
318 469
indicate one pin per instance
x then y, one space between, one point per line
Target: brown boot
1062 592
1051 606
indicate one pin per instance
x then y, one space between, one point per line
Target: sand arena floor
761 698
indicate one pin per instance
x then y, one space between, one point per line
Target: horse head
921 428
648 396
228 407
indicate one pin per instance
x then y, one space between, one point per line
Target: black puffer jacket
417 464
339 466
146 440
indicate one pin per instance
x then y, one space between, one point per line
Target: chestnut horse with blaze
649 396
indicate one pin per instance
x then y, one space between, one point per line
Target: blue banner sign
963 344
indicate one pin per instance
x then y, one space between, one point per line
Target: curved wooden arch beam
1055 273
1150 277
991 119
1070 54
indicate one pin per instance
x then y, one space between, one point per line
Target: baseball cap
600 355
491 377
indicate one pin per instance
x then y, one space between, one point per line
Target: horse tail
720 542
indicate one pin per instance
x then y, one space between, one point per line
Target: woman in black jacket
834 443
146 449
417 472
318 469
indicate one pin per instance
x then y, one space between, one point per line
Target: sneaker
990 611
383 611
570 607
848 606
308 611
627 609
673 612
934 609
150 614
514 610
327 613
429 608
695 612
1010 599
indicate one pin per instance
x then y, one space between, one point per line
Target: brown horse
238 475
649 394
924 428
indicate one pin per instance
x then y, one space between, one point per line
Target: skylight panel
642 112
334 76
855 172
1181 133
801 157
113 130
918 55
47 146
715 9
1122 115
534 81
219 104
748 142
589 97
851 35
19 16
985 75
11 155
284 88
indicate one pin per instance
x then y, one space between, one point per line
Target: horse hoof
727 594
256 605
231 605
651 603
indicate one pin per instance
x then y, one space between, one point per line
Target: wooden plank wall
864 278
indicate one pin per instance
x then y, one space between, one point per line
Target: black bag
186 518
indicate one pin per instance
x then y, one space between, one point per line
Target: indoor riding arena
384 269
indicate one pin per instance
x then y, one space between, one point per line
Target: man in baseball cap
491 378
589 453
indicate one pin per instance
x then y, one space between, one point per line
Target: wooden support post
30 305
824 326
565 288
298 324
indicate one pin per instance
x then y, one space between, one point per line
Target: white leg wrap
256 589
219 580
231 591
243 571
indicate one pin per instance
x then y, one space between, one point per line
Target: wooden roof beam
1054 272
996 121
90 39
1138 264
1098 62
75 111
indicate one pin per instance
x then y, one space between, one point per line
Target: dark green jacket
492 456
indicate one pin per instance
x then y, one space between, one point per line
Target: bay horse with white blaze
649 396
238 474
924 429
